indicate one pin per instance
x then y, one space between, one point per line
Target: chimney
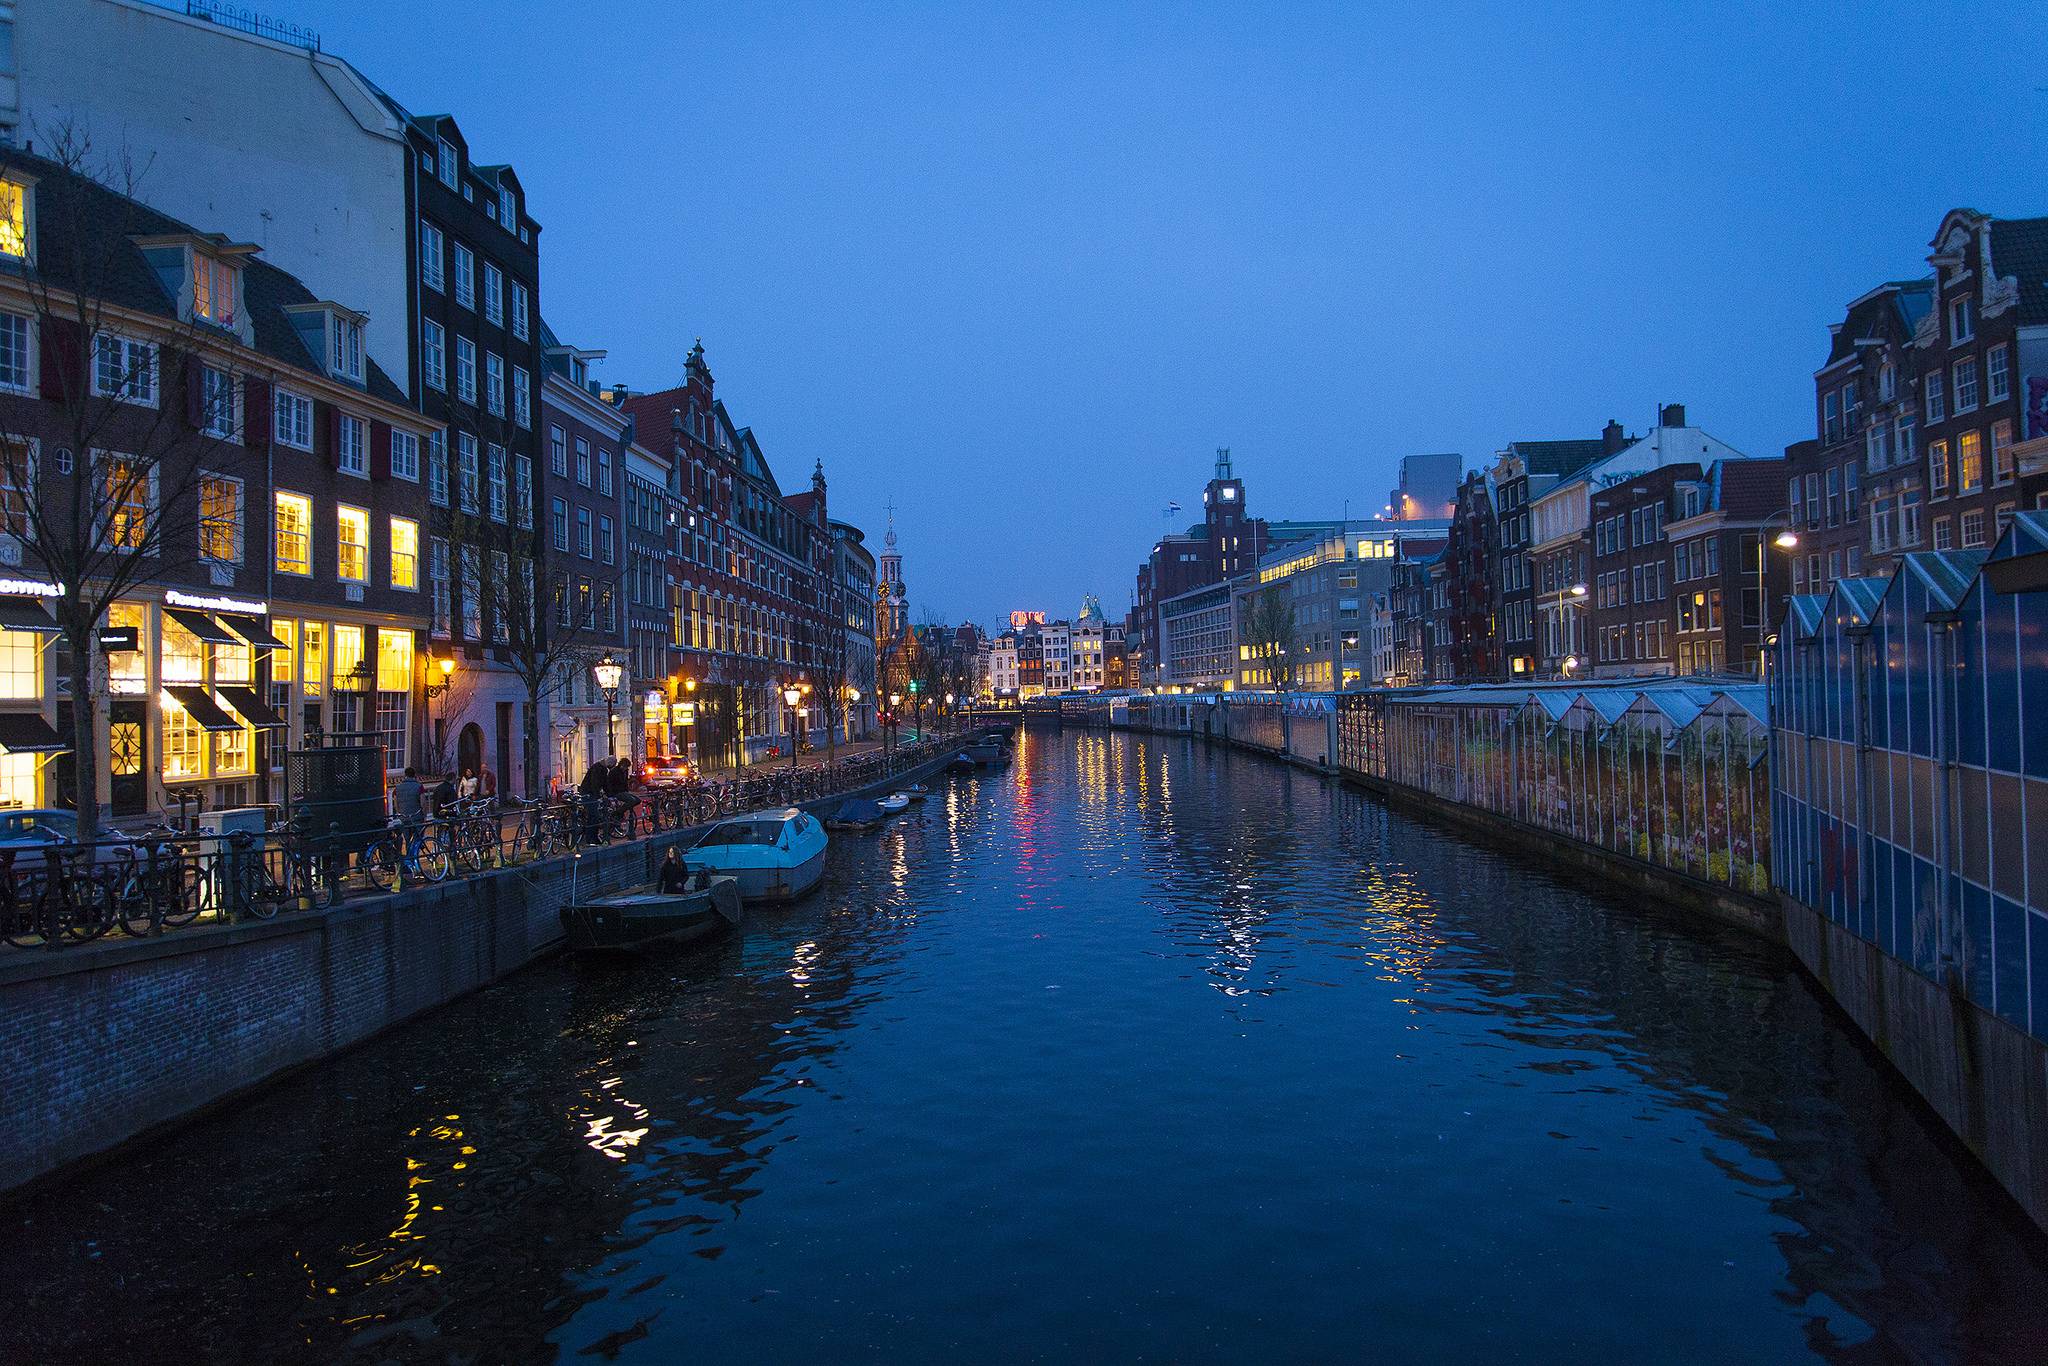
1612 438
1671 415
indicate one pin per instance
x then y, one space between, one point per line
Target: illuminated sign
1019 620
119 638
236 605
685 714
30 588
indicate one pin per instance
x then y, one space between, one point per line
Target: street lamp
793 695
447 666
1576 591
609 672
1786 539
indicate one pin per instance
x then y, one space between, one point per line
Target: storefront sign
114 638
685 714
30 588
236 605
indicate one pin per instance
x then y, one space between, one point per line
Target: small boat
635 920
988 752
961 761
893 803
917 792
857 814
775 855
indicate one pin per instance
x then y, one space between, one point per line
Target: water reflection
1131 1049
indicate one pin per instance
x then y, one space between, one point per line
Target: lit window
127 494
213 289
405 553
292 421
184 742
394 660
13 219
21 672
15 372
220 519
124 369
351 455
405 456
294 533
19 460
352 544
1970 462
348 658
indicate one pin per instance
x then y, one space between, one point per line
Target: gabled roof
1556 457
71 206
2019 247
1946 573
1861 597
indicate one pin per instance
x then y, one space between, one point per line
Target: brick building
1629 575
1726 584
1523 472
1227 543
1472 558
1853 493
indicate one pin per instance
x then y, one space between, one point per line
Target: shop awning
200 706
250 704
26 614
26 732
201 625
255 630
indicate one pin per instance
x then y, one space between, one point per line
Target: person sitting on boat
675 878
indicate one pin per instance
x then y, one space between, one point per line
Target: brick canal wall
1984 1078
108 1041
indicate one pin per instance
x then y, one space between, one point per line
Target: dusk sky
1022 271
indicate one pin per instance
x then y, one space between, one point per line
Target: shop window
349 673
394 661
183 657
183 743
21 673
18 780
127 670
352 544
233 664
294 533
231 751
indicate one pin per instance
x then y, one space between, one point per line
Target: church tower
892 616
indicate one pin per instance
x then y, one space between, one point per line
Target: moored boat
857 814
988 751
917 792
894 802
636 920
774 855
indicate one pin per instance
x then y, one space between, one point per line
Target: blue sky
1022 269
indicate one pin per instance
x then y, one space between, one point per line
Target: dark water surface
1134 1051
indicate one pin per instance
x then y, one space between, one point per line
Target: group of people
611 777
608 777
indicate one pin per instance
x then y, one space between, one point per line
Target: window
213 289
604 472
1831 416
351 451
1973 529
351 544
1966 386
2004 513
1970 462
292 419
1902 441
1934 392
1887 382
1998 373
466 472
1876 447
583 532
217 415
1813 503
16 372
1937 467
345 347
13 219
1962 320
127 498
560 521
519 310
1943 540
405 553
434 354
495 472
465 276
508 209
437 468
405 456
582 462
1881 521
220 519
433 271
494 383
124 369
501 593
604 540
1852 494
1834 503
2001 452
465 369
558 453
437 569
494 294
522 491
447 165
294 533
19 461
1792 499
1909 516
522 397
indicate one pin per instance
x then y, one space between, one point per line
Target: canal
1133 1051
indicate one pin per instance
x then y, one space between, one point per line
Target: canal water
1133 1051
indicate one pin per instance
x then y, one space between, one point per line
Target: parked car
666 770
34 827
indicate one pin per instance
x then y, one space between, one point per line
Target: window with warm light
220 519
127 493
213 289
184 742
183 657
231 751
14 198
127 670
19 460
345 342
312 657
405 553
294 533
351 544
21 673
394 661
348 656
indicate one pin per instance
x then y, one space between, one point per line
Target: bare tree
104 474
1269 631
541 623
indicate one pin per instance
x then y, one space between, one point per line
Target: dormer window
345 347
15 217
508 210
213 289
448 164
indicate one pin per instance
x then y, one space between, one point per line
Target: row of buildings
291 453
1663 553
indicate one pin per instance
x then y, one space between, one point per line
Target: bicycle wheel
89 909
433 859
135 901
187 890
380 865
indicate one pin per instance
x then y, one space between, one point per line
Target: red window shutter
255 412
380 450
63 371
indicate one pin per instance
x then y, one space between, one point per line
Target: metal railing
250 22
164 879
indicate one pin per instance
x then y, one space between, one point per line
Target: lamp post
853 709
446 664
949 711
895 701
608 672
917 708
1565 595
793 695
1787 539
